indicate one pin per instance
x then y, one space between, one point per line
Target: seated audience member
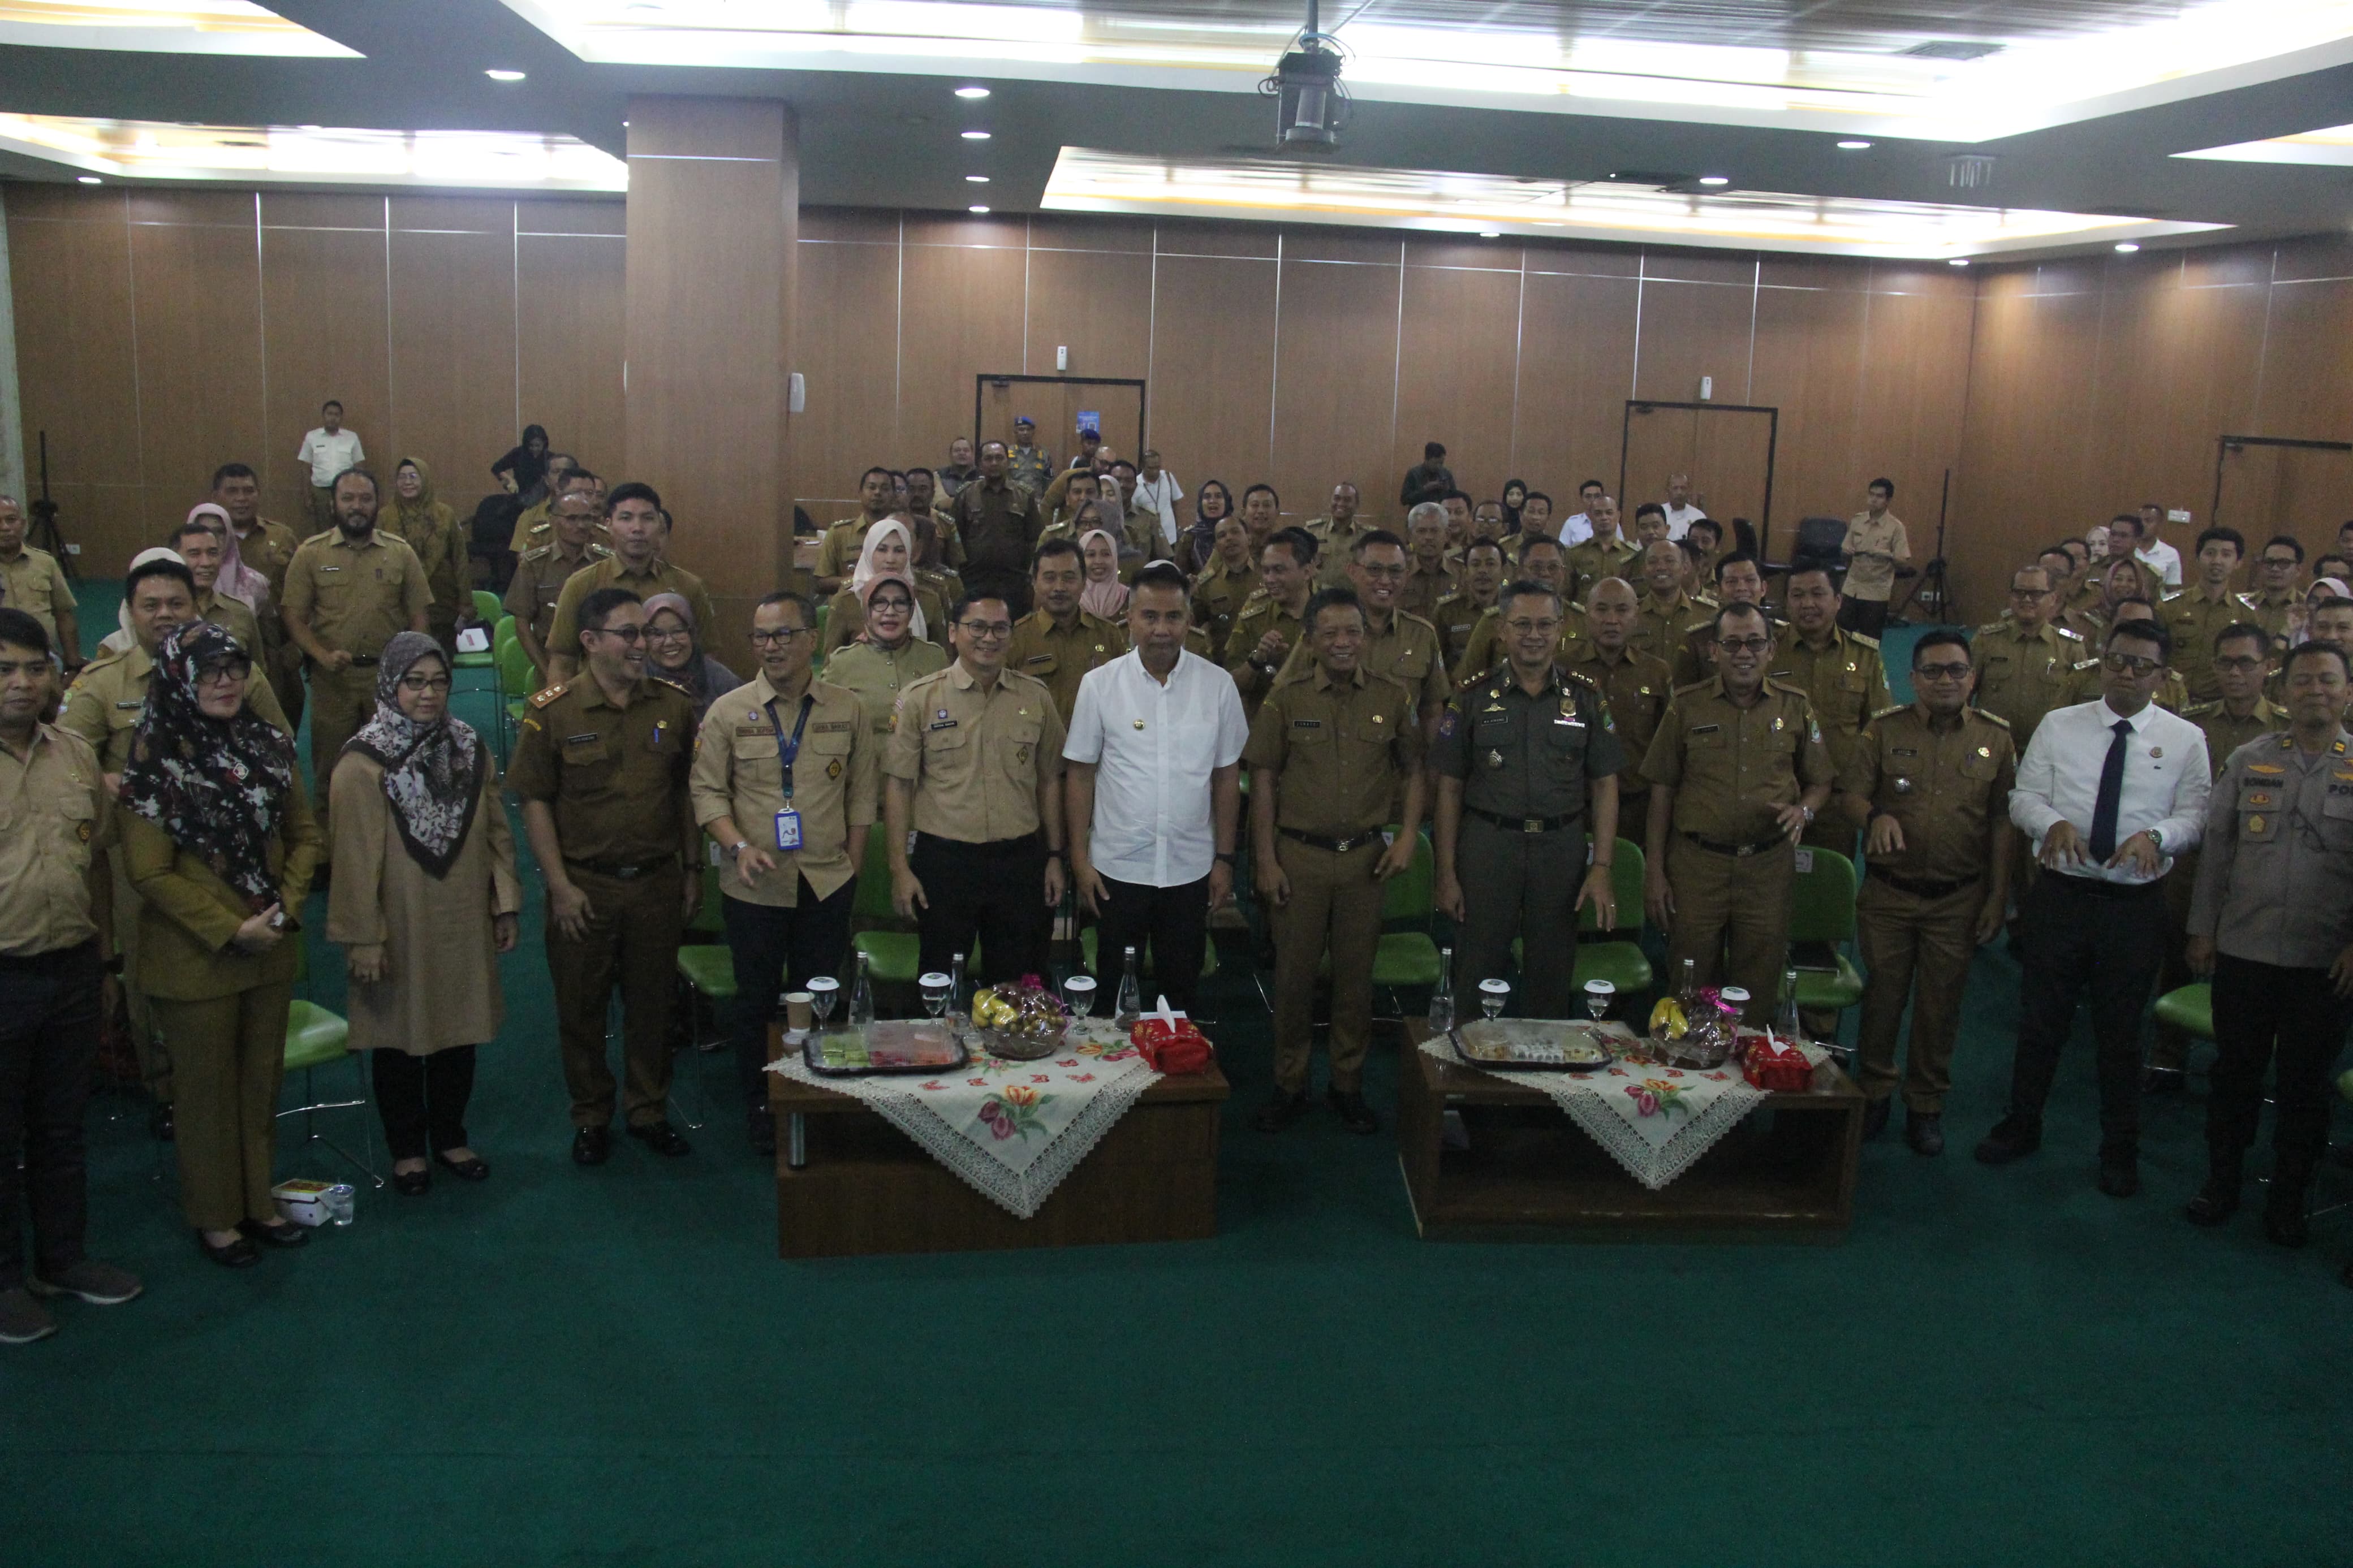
885 554
674 652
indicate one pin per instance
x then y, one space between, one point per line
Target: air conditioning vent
1951 50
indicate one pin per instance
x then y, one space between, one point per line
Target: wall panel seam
1275 359
1397 356
138 399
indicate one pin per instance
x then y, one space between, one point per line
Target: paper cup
797 1016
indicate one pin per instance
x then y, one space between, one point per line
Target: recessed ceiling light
976 135
1958 261
503 74
2126 248
87 179
971 92
1491 234
1854 144
1715 180
977 207
976 179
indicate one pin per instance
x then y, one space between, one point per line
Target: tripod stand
1933 586
46 534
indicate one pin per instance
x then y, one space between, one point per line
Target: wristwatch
738 847
2156 839
1808 812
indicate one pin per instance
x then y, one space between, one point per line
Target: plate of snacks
1533 1044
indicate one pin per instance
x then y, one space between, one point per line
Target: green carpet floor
612 1367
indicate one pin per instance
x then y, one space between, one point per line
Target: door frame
1772 451
2225 445
982 382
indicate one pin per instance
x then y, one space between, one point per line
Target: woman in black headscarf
219 841
424 900
524 466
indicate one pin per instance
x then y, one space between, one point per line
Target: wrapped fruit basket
1022 1022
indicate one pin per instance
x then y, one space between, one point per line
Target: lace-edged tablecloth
1654 1120
1011 1129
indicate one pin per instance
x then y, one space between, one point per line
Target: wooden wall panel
1212 393
1097 304
1692 330
2307 392
1456 381
1811 349
569 303
1575 370
78 378
846 346
326 328
1916 389
962 316
1336 385
200 289
453 358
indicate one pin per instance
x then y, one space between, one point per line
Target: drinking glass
823 988
1079 991
935 991
1491 995
1598 995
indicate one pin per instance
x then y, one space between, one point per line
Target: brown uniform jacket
34 583
1219 596
1659 623
1342 749
1845 680
2022 675
538 583
2194 620
2225 734
356 597
999 524
1592 561
1406 651
1945 786
103 705
188 914
1638 688
562 640
1258 617
1732 768
617 778
1454 617
53 808
1061 656
975 758
1423 589
1695 659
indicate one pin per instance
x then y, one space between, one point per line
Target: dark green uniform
1526 765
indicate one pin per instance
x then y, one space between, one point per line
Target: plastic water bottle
1131 993
959 1000
1441 1000
862 998
1786 1025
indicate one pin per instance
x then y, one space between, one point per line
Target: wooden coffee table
1787 1172
862 1186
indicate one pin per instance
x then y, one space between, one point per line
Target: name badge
582 740
788 829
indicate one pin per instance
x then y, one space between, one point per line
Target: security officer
1225 585
602 769
1332 746
1737 771
785 780
1665 609
2238 659
1028 464
974 771
639 529
2193 614
2273 902
1739 580
1838 671
1269 627
1609 554
1455 615
1541 560
1636 685
1058 642
1527 763
348 592
540 575
1930 782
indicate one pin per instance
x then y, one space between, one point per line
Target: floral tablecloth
1011 1129
1654 1120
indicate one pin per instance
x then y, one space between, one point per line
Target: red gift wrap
1775 1065
1172 1046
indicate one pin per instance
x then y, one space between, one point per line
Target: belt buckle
1532 824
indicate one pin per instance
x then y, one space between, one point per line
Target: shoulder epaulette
1694 685
1579 677
1580 609
1990 718
673 684
1989 628
2166 596
1891 708
1418 620
1872 643
546 695
2067 631
1699 626
2199 710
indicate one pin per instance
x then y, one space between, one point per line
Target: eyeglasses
781 638
986 631
627 633
421 684
223 669
655 634
1523 626
1744 644
1939 671
894 602
2238 661
2124 663
1382 573
2028 593
2284 562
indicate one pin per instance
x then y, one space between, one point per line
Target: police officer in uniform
540 575
1838 670
973 768
1930 781
1269 627
1527 763
1454 615
602 767
1737 771
1058 642
1332 746
1636 685
1027 463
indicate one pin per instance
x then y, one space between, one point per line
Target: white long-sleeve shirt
2166 781
1153 745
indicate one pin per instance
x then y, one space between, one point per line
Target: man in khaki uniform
2277 569
539 525
1606 555
1402 646
33 583
641 532
267 548
2197 612
102 710
1332 746
1269 629
837 552
1737 771
786 782
1637 685
348 592
1226 585
1542 561
973 772
2026 666
538 582
999 521
1739 580
1058 642
1875 546
1458 613
601 768
531 525
1838 671
1930 782
1337 533
1427 578
1665 610
923 508
200 543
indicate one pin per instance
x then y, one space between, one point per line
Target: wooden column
713 217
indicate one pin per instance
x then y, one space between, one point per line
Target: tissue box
1775 1065
1172 1044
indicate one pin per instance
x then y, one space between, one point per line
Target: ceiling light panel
192 27
310 155
1271 190
1847 66
2330 147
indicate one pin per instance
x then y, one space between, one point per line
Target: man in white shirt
1155 791
2111 792
2154 552
1156 495
326 452
1577 530
1681 514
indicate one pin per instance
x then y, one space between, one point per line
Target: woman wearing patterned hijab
219 841
424 900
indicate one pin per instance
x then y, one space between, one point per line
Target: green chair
706 965
518 678
1822 911
1409 956
2188 1008
317 1039
1623 963
895 956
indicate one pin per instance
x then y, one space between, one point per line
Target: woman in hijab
1211 503
1105 593
1515 496
235 578
424 900
2299 610
431 530
524 467
674 652
888 655
218 839
887 552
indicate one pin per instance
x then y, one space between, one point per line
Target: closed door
2266 490
1058 405
1728 452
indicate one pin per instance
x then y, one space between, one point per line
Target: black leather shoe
160 1125
1925 1130
2013 1138
2216 1201
2120 1174
473 1168
1354 1114
1874 1118
238 1254
1280 1113
662 1139
412 1183
591 1146
760 1128
285 1233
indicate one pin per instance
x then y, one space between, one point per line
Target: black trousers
2261 1009
1168 928
48 1044
767 943
2076 936
1865 617
423 1100
994 893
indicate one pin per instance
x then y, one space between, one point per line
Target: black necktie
2112 790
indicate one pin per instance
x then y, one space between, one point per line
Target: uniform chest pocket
2337 806
81 815
1044 665
2259 813
831 741
1564 738
947 749
753 745
1976 768
1019 748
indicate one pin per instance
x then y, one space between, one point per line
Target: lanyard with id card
788 820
